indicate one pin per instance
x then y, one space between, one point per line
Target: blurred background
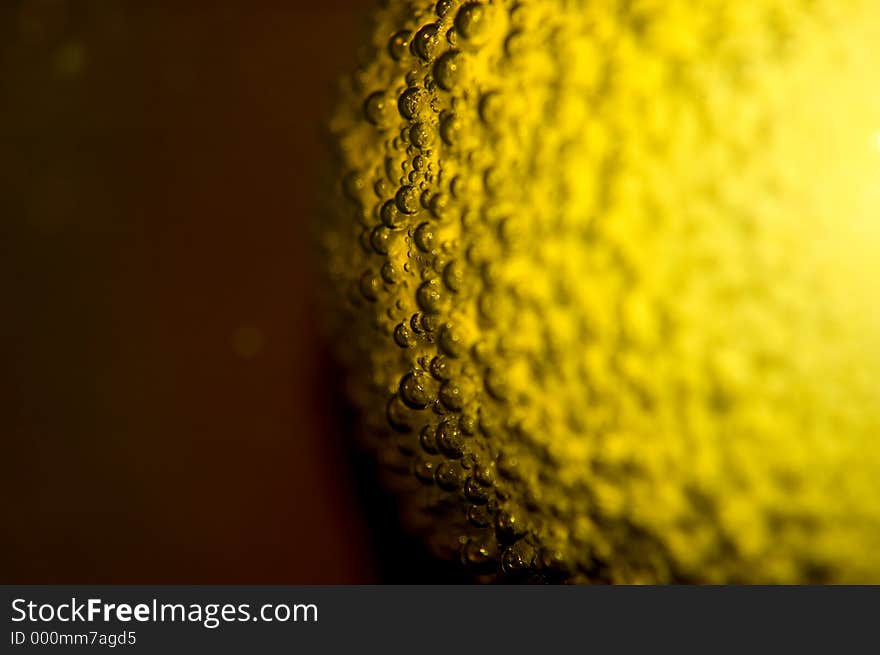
166 412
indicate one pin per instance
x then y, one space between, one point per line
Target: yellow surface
606 279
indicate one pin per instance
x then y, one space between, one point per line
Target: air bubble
414 391
380 239
479 516
490 424
496 384
476 493
448 476
390 273
453 275
480 553
508 467
451 341
375 109
553 559
398 44
518 557
491 108
410 103
403 337
485 475
428 440
449 439
353 186
490 271
365 242
495 307
447 70
426 41
440 368
424 471
515 44
391 216
443 7
397 415
509 525
429 296
370 286
482 352
472 22
492 180
512 232
381 188
391 169
407 200
452 396
415 323
425 198
421 136
450 128
424 237
429 323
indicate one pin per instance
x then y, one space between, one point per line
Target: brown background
165 410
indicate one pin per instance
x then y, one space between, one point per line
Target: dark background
166 413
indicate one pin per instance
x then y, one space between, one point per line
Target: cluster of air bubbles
505 188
